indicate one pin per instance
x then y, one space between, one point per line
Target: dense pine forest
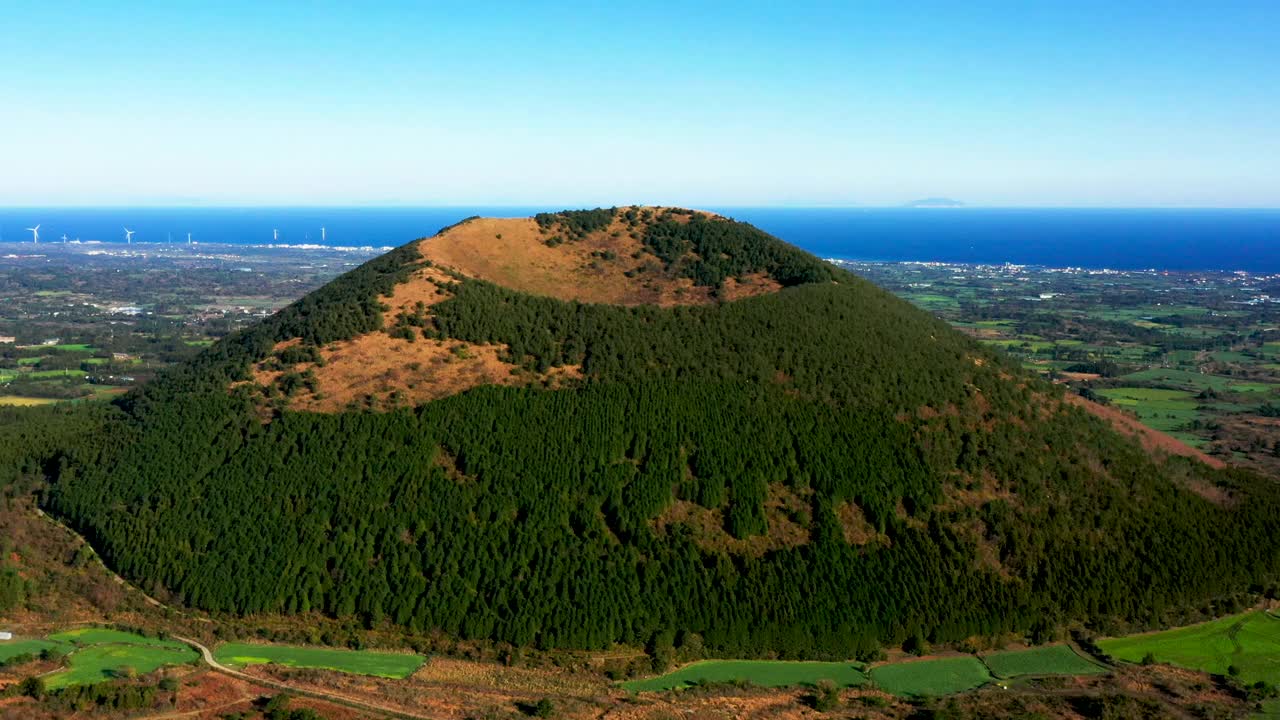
815 472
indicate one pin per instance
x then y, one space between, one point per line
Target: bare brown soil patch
1151 440
1078 376
448 688
607 266
855 527
781 509
974 492
379 371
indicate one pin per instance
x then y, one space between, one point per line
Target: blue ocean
1173 239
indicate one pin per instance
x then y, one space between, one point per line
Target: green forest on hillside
530 515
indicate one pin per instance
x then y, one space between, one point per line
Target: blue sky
743 103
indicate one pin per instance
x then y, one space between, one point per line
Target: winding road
207 655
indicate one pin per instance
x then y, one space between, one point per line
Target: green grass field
928 678
13 648
102 636
360 662
764 673
1051 660
37 374
1164 410
1250 642
1194 381
98 663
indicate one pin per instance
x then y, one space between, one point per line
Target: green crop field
101 636
1183 379
360 662
98 663
1251 387
1161 409
1250 642
55 373
765 673
927 678
1052 660
13 648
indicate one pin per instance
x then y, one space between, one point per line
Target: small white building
5 635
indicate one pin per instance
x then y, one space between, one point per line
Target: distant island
935 202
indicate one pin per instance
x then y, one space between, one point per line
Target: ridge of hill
817 470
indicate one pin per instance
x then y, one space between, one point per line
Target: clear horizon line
787 206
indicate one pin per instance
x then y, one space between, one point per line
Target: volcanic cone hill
634 424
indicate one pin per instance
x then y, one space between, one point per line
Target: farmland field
1052 660
764 673
100 636
360 662
13 648
927 678
1166 410
98 663
1250 642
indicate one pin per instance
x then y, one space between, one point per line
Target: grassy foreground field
14 648
98 663
103 636
360 662
764 673
1250 642
1050 660
930 678
912 678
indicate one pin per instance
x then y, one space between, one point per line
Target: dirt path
207 656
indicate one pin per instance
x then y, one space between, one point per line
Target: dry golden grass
709 532
376 369
512 252
855 528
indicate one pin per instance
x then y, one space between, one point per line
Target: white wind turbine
322 234
35 234
64 238
275 235
128 236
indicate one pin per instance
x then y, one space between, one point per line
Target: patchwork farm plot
930 678
98 654
764 673
1249 643
98 663
10 649
359 662
1195 355
1049 660
912 678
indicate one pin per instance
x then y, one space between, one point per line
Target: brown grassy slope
513 252
1152 440
377 370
